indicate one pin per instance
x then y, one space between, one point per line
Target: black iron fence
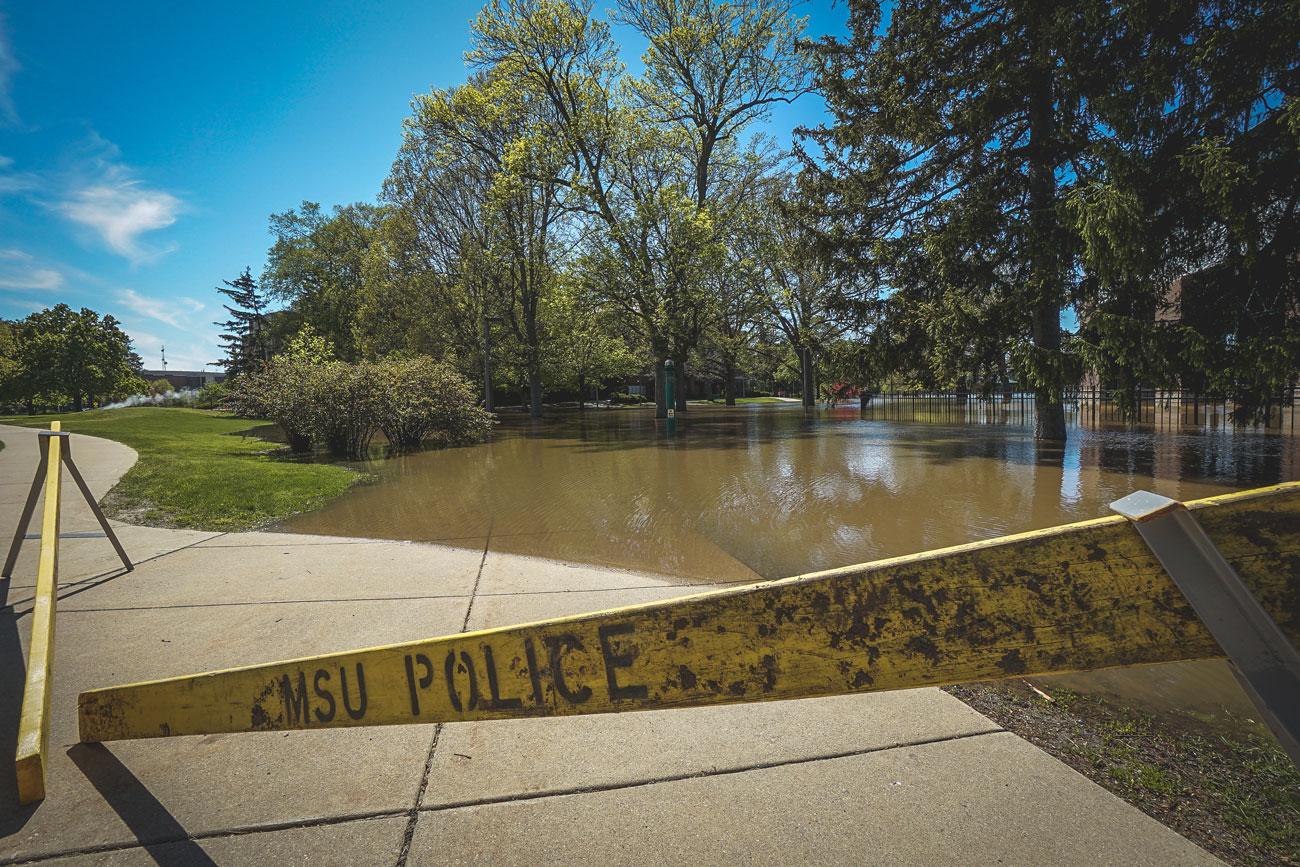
1085 407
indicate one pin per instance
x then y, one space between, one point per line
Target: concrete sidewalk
911 777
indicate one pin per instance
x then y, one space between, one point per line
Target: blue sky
144 144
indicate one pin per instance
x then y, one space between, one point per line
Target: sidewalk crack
414 817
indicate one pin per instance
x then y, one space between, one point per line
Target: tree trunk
77 403
532 339
1045 271
806 374
729 382
534 388
582 394
661 406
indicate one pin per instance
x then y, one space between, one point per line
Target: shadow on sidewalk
13 673
162 836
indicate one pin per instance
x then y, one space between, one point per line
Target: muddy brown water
767 491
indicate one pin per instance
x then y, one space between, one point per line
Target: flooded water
766 492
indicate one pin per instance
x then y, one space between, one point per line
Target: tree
589 347
505 139
958 131
316 265
1192 206
246 334
61 354
801 291
648 154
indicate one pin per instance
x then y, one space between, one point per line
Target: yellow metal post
1082 596
34 723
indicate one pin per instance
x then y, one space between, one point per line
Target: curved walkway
911 777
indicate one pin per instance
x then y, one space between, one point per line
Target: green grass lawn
196 470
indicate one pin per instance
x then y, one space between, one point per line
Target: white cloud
31 278
100 192
150 308
8 66
121 209
14 182
19 270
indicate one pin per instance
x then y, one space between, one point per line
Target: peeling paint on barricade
1077 597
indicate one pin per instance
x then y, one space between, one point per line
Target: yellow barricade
34 724
1082 596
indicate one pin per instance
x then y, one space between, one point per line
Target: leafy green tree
589 347
650 154
316 264
416 297
246 336
505 139
61 354
802 297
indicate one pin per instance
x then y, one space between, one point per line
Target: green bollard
669 376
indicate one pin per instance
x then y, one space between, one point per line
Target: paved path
911 777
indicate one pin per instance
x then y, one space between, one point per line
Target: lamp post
487 360
669 376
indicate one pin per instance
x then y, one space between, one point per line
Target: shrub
346 400
211 396
338 405
623 397
418 397
159 387
281 392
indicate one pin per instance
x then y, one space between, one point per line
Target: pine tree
994 164
958 129
245 335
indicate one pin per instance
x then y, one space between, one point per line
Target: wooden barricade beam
34 720
64 456
1078 597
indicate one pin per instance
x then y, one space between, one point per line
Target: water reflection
769 491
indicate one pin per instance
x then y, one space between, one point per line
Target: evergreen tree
995 164
245 337
957 131
1190 222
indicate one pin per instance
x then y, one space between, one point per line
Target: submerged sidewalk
911 777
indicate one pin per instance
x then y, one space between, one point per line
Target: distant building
181 379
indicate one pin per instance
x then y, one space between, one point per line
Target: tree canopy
60 356
1009 195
